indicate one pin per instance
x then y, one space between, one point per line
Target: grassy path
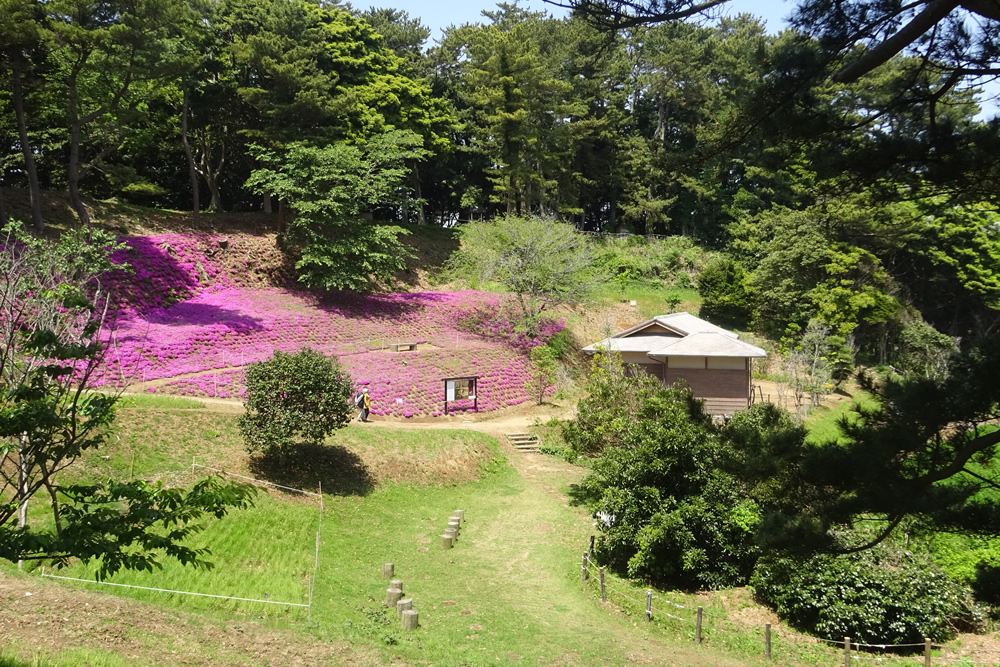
508 592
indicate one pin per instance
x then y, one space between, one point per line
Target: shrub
667 510
723 292
293 398
882 595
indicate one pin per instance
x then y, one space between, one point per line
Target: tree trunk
22 488
34 190
3 210
213 187
189 156
267 205
73 174
421 220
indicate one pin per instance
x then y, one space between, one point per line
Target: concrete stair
524 442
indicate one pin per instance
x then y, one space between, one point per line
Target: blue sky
439 14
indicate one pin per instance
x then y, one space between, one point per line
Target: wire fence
312 577
920 653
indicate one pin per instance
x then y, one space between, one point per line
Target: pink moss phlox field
193 314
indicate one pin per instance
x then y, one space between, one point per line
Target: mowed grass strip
263 553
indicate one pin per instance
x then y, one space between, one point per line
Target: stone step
524 442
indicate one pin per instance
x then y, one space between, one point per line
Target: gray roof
689 324
707 344
698 338
637 343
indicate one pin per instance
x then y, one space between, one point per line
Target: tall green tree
329 189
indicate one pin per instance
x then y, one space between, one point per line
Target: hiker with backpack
363 402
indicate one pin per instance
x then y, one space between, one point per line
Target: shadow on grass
340 470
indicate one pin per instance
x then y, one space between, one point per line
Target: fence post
583 570
590 551
604 594
927 652
697 627
767 641
847 652
649 605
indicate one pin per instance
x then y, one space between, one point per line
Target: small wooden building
713 362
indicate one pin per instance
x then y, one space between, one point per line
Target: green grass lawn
509 592
822 422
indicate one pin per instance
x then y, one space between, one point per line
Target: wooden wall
724 391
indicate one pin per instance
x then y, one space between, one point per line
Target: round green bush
884 595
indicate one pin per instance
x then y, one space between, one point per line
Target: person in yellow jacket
364 403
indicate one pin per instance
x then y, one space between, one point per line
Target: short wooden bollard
387 570
456 523
453 533
927 652
396 583
446 541
392 596
697 626
583 570
847 651
410 619
604 593
403 605
767 641
460 514
649 605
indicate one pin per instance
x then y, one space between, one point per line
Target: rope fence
312 576
851 649
167 590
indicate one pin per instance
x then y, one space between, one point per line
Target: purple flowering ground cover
194 312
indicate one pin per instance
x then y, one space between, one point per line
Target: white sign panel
450 391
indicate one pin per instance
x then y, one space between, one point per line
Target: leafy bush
722 285
882 595
667 510
291 398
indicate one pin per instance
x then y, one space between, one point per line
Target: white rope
259 481
166 590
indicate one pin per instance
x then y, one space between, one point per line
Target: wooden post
767 641
460 514
649 606
590 551
446 541
402 605
396 583
411 619
392 596
847 652
387 570
454 534
583 569
927 652
697 627
604 594
454 525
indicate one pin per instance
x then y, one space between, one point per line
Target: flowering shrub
498 317
194 315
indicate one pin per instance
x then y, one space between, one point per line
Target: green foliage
924 350
51 312
883 595
667 511
543 262
722 287
544 363
294 398
605 417
329 188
